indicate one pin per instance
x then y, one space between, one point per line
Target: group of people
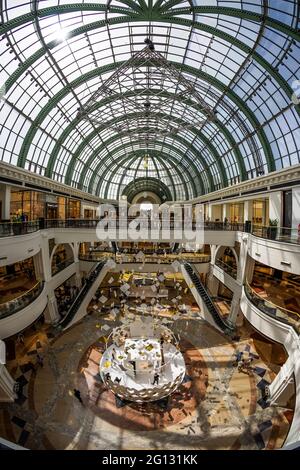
64 296
244 362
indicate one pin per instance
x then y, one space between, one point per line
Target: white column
38 265
212 283
77 276
210 212
51 312
235 308
295 207
213 253
248 210
45 257
76 252
242 259
282 387
5 193
275 207
7 384
249 271
226 212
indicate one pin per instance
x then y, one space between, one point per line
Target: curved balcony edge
272 310
284 334
21 319
13 306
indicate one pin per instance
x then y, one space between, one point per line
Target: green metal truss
270 69
153 184
155 155
209 144
133 9
175 137
160 13
140 153
144 151
199 74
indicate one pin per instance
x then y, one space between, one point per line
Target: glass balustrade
281 234
145 258
18 303
9 229
269 308
231 270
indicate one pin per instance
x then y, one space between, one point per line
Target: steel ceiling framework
142 87
215 125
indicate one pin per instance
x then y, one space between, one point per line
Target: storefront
27 205
237 212
72 209
32 205
259 212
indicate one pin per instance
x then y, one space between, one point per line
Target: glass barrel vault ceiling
242 57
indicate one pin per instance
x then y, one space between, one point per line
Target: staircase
218 320
93 275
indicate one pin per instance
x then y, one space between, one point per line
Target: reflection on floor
216 407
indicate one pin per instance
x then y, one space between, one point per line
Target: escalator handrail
81 294
216 315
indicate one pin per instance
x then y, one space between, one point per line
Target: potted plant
272 229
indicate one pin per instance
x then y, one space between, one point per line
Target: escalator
219 321
175 248
81 295
115 247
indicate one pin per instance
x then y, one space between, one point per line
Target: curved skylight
241 57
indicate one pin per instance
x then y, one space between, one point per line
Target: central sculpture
143 362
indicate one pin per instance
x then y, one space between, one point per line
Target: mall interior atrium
150 225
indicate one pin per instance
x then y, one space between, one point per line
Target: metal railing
18 303
10 229
146 258
223 324
281 234
231 270
81 295
271 309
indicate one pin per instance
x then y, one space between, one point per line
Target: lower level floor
217 406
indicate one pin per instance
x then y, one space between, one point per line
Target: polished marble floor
216 407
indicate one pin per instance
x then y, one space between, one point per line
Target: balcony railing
281 234
18 303
145 258
231 270
145 223
271 309
9 229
